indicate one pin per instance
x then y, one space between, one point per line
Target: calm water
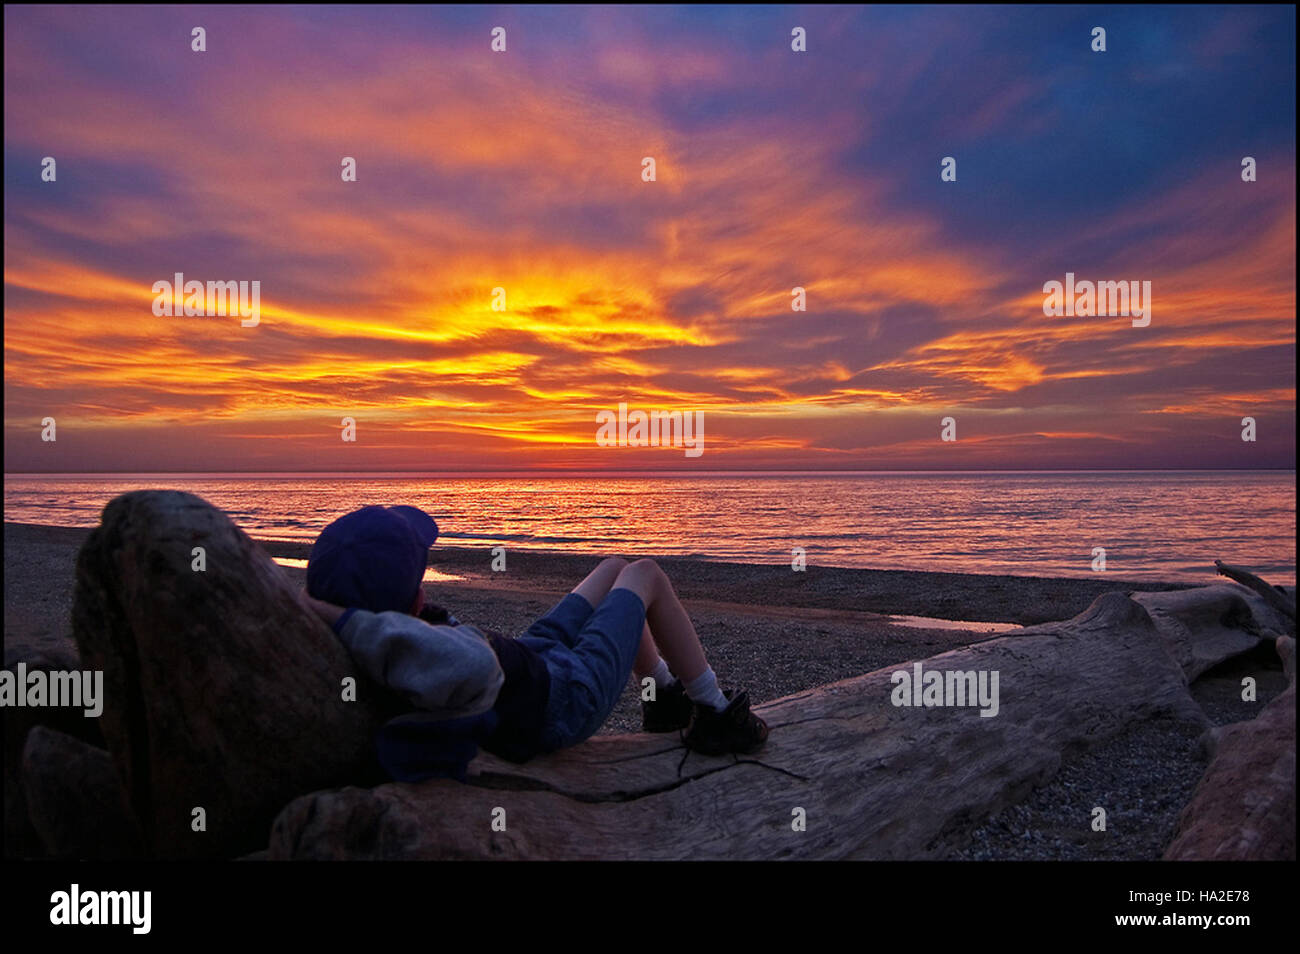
1160 525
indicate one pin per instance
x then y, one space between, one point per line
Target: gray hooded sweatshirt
448 671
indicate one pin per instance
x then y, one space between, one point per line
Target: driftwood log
1280 601
1201 628
874 780
223 694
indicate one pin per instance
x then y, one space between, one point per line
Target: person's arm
437 616
326 611
446 670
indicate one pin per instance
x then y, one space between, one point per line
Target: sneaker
670 711
734 729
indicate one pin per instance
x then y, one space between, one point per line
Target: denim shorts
589 654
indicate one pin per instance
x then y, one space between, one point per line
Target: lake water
1153 525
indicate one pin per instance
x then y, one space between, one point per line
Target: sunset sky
522 170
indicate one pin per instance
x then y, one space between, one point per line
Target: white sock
704 690
662 677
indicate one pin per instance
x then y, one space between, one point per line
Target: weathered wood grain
1203 627
1284 603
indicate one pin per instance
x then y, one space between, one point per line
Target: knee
617 564
643 577
649 570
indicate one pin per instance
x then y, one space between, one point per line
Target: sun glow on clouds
523 173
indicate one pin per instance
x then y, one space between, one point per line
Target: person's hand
326 611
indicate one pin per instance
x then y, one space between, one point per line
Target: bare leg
647 655
671 627
596 586
600 581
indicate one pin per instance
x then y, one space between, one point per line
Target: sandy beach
778 632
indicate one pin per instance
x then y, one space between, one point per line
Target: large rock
222 691
1244 808
874 780
77 804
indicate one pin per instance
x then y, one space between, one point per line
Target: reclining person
552 687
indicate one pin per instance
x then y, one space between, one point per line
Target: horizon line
637 473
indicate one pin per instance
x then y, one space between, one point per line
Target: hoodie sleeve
448 671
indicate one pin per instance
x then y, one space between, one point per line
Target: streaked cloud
522 171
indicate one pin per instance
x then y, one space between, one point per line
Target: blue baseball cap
372 558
